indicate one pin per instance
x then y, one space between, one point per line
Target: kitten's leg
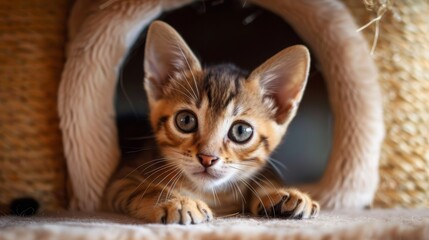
283 203
154 203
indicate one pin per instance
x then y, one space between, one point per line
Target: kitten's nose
207 160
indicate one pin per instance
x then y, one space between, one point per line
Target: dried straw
31 58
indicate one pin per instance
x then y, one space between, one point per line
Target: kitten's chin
205 175
207 180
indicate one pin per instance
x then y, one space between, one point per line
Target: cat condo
34 153
99 46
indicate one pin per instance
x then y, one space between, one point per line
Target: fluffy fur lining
101 35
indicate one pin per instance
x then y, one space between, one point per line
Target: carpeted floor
372 224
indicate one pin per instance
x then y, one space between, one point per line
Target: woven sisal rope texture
402 56
32 38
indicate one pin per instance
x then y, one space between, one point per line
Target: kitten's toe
288 203
173 210
206 212
315 209
166 213
185 211
190 213
297 206
195 212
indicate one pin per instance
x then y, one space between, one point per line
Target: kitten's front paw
182 210
287 203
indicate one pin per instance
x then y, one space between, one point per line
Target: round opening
227 31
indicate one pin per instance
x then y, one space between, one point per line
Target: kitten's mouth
206 174
208 178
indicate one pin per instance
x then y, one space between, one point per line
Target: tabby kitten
215 128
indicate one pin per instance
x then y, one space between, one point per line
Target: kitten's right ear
283 78
166 54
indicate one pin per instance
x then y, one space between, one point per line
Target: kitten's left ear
283 78
166 54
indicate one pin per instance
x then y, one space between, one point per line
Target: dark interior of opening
226 31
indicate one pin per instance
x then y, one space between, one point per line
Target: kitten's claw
287 203
183 211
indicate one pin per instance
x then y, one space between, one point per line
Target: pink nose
207 160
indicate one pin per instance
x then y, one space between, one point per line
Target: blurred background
226 31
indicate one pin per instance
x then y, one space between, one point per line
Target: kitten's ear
166 54
283 78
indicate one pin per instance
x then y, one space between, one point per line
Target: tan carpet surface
372 224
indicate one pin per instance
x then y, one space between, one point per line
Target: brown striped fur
171 184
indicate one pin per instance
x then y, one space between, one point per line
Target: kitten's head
219 124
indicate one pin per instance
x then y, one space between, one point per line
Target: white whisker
144 180
174 185
265 190
185 94
151 161
281 164
166 185
275 163
184 87
190 69
243 199
260 186
249 186
194 94
150 184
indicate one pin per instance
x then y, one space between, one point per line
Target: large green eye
240 132
186 121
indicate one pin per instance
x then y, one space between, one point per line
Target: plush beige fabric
374 224
101 40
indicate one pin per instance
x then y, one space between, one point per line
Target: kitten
215 128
